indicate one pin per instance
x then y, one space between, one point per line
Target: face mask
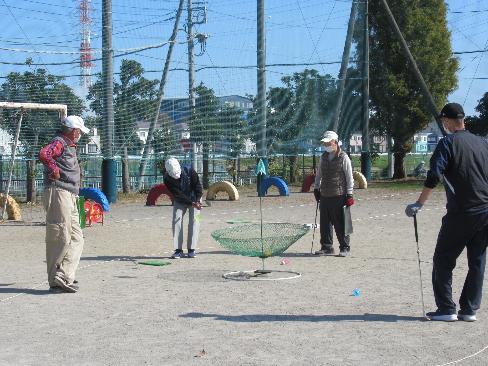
329 149
447 130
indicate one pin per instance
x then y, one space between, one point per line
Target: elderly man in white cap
333 189
62 178
184 184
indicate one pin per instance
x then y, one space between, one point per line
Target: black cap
452 110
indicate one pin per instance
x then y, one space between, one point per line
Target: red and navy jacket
460 162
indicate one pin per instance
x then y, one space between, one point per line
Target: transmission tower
86 58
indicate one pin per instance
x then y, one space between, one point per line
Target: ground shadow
299 255
258 318
22 223
309 255
121 258
216 252
30 291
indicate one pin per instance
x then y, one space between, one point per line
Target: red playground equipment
157 191
93 212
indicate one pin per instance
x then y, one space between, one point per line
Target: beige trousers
64 238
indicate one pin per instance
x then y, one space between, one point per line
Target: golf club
420 269
314 227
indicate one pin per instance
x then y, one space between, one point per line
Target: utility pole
344 64
200 10
109 168
425 90
261 92
366 150
164 77
391 157
191 78
261 79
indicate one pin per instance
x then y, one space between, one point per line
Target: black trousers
458 231
332 215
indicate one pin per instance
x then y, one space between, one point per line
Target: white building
6 142
92 147
356 143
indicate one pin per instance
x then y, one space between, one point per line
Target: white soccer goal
63 111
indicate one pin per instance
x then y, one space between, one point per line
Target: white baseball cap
329 136
173 168
75 122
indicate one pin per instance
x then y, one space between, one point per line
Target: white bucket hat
173 168
329 136
75 122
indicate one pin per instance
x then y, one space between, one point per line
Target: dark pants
332 214
457 232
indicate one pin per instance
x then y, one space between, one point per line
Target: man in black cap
460 161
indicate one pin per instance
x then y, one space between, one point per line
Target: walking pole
314 227
420 269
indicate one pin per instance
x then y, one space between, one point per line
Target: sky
297 32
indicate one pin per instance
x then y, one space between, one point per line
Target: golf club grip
415 226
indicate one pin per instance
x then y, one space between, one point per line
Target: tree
135 99
234 125
38 127
205 128
299 114
479 124
165 141
397 104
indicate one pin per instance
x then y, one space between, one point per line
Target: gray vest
333 180
69 170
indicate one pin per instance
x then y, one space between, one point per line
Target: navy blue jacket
460 161
187 189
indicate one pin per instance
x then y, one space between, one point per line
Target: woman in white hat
333 189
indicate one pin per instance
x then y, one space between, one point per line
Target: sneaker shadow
259 318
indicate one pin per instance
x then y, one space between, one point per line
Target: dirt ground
131 314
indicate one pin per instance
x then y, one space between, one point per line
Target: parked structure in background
176 110
92 147
424 141
236 101
6 143
420 143
379 144
143 128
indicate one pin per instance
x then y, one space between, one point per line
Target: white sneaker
437 316
467 317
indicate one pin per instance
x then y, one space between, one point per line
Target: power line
468 11
22 30
468 52
129 52
229 67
